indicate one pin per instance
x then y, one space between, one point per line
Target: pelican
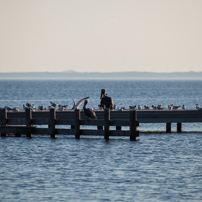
146 107
105 100
89 112
76 106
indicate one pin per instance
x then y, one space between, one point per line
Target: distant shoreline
70 75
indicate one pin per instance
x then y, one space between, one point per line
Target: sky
100 36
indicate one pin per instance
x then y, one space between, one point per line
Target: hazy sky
104 35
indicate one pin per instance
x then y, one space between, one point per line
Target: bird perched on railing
170 107
139 107
132 107
76 105
154 107
62 107
198 107
89 112
183 106
54 105
8 108
160 107
105 100
29 105
175 107
41 108
146 107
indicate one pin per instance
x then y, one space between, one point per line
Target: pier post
133 125
28 120
100 127
106 119
118 127
77 117
168 127
4 120
179 127
52 122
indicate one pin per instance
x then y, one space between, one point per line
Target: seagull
76 106
89 112
53 104
16 109
139 107
132 107
41 108
62 107
154 106
114 107
146 107
183 106
175 107
8 108
160 107
170 107
29 105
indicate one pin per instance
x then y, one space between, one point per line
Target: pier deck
27 122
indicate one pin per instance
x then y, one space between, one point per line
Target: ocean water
157 167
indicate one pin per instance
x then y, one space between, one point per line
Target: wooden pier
49 122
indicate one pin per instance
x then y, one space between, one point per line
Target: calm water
166 167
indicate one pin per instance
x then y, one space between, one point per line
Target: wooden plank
92 132
119 133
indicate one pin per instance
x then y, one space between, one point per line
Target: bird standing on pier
146 107
29 105
160 107
76 106
170 107
183 106
175 107
54 105
41 108
132 107
139 107
154 107
89 112
105 100
62 107
197 106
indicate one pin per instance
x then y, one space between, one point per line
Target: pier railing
27 123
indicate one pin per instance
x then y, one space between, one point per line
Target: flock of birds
105 102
